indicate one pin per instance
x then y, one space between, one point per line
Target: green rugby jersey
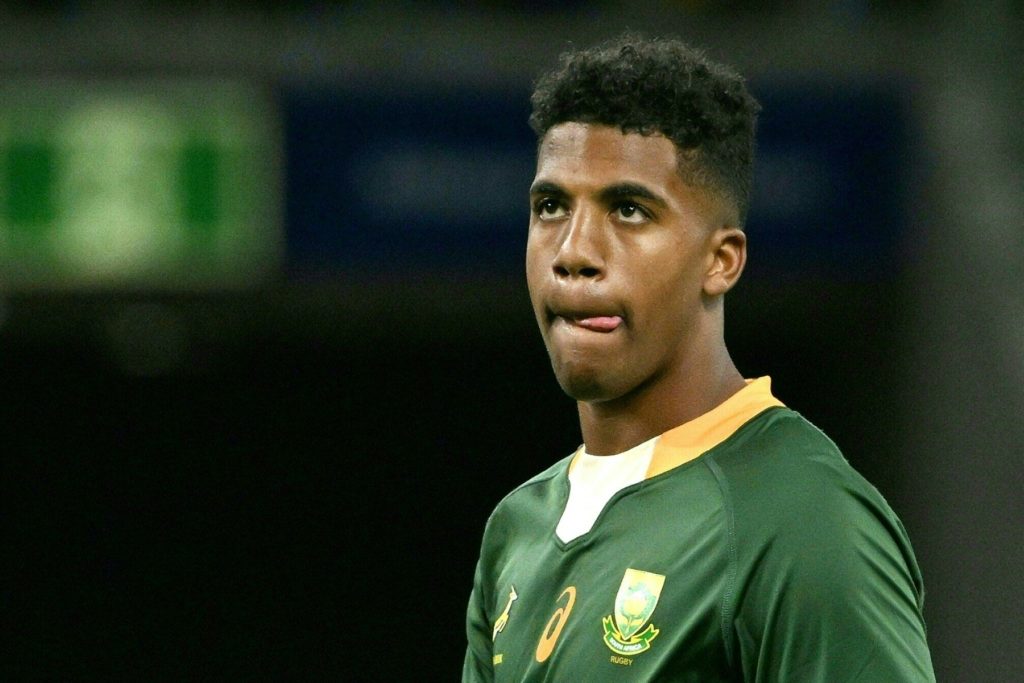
750 550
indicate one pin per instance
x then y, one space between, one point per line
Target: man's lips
600 323
577 311
590 321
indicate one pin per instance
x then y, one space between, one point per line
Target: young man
704 531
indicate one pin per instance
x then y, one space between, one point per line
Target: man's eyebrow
610 194
621 191
548 187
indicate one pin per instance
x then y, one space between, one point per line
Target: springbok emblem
499 625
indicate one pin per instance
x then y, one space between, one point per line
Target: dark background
314 505
291 479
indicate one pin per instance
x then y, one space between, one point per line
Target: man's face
616 259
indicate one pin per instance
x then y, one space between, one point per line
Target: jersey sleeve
825 584
477 667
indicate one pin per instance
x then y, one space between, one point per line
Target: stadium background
280 463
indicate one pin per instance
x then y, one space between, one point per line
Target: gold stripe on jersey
689 441
698 436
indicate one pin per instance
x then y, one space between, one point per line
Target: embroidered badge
624 632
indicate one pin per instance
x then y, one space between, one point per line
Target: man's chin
586 387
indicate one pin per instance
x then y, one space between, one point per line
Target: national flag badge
624 632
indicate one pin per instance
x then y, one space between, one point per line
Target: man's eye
628 212
548 209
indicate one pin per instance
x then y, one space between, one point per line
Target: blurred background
266 351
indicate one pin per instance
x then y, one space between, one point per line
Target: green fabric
781 563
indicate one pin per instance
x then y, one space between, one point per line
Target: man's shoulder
788 485
785 430
542 479
783 467
780 446
824 576
535 491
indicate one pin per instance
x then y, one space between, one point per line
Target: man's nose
581 252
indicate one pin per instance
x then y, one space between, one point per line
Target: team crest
638 595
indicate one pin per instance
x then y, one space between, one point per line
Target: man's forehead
575 149
574 138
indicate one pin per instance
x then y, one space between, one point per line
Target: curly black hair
659 86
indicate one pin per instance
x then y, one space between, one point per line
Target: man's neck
611 427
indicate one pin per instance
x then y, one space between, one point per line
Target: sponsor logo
553 629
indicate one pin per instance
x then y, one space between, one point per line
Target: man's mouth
589 321
580 313
599 323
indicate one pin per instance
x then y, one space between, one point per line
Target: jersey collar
692 439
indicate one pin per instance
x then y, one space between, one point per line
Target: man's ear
727 254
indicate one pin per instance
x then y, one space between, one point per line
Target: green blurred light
30 170
138 184
200 174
